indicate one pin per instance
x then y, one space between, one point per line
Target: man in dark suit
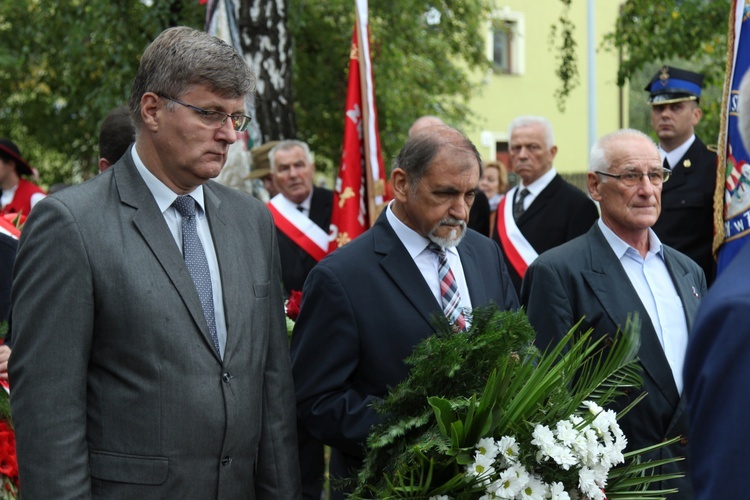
687 218
301 211
302 214
717 370
544 210
138 372
620 268
366 306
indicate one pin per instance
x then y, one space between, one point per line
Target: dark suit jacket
585 278
717 371
686 222
295 262
479 215
118 390
364 308
8 246
560 213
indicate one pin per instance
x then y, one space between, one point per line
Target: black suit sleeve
323 383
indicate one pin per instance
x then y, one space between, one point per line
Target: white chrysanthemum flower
535 489
566 432
440 497
508 447
487 447
511 481
544 439
588 486
557 492
482 468
593 408
563 456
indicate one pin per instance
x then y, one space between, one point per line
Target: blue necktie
197 264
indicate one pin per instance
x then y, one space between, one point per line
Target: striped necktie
449 296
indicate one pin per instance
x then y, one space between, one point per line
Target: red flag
359 195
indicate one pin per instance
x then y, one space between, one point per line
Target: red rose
293 303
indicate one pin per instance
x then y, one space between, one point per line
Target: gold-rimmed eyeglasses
216 118
655 177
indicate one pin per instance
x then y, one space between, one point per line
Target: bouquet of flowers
484 414
8 462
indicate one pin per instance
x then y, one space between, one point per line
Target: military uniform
686 220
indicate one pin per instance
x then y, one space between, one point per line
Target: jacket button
684 441
226 461
225 377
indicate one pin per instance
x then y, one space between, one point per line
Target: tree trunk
268 48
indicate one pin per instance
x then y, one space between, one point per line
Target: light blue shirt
164 198
427 260
654 286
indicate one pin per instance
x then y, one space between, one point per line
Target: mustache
450 221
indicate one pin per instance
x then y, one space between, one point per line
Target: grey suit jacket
117 390
584 278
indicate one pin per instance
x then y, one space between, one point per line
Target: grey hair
600 157
743 110
286 145
421 150
528 121
182 57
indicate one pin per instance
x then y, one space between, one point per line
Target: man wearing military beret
686 221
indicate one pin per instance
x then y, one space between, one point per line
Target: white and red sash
520 253
299 228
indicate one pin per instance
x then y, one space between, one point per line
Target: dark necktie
666 164
197 264
449 296
518 209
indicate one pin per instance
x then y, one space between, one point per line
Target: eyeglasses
216 118
655 177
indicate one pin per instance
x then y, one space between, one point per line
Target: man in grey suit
620 268
138 373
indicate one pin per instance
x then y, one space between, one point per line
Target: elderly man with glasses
620 270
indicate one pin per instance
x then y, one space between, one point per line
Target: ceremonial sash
519 252
298 227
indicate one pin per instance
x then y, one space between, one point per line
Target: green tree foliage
421 66
64 65
690 34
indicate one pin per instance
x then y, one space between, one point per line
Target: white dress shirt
427 260
535 187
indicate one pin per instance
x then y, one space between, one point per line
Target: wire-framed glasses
633 178
216 118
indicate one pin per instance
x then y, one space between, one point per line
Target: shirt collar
538 185
162 194
621 248
307 202
674 156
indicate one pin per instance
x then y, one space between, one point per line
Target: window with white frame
507 42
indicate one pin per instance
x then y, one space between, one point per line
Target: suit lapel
472 272
150 224
620 301
542 200
400 267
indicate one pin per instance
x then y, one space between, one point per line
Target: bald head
424 123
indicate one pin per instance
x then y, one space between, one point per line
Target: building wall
532 90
